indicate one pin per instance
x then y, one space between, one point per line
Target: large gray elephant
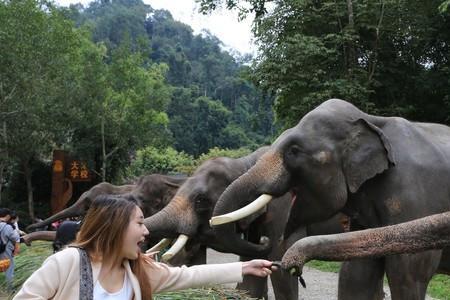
153 192
188 213
432 232
386 170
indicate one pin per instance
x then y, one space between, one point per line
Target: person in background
105 261
10 238
13 222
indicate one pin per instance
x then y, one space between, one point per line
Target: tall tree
388 57
39 53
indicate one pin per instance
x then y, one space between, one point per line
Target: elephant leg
199 257
255 286
361 279
409 274
285 286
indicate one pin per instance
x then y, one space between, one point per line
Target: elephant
62 236
188 213
152 191
386 170
432 232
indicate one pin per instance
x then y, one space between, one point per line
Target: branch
112 152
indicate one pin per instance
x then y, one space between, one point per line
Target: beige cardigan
59 277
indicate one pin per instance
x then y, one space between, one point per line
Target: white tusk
176 247
161 245
242 212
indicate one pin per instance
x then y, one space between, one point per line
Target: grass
29 260
439 287
325 266
215 293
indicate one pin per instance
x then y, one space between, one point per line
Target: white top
125 293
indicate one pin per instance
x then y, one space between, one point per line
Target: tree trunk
103 151
4 159
105 156
374 60
27 173
351 45
2 167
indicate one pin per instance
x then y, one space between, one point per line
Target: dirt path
320 285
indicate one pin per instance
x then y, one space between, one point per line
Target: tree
387 57
39 56
128 104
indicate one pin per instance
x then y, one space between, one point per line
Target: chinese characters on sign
78 171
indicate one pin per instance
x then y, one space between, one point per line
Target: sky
222 23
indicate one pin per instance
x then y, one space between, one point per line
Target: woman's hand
257 267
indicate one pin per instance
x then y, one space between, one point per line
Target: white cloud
222 23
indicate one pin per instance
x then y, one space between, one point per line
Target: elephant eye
201 204
295 150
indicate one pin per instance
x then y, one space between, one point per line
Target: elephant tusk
161 245
242 212
176 247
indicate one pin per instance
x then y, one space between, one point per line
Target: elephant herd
384 179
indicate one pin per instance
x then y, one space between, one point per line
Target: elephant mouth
294 195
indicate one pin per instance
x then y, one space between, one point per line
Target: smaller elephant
64 235
152 192
432 232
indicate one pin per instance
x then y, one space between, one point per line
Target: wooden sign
64 172
78 170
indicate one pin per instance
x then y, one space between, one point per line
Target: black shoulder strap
86 281
1 230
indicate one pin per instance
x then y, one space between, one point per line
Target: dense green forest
106 80
116 83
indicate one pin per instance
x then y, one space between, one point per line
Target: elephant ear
367 153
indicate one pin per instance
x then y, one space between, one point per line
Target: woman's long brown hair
102 233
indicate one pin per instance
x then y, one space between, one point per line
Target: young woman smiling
106 262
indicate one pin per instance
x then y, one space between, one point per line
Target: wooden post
58 175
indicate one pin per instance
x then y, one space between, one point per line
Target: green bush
214 152
153 160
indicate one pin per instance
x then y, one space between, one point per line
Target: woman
105 262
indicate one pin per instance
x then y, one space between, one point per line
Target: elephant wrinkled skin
387 170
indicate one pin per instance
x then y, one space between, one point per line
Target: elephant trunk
73 211
39 236
432 232
241 192
177 217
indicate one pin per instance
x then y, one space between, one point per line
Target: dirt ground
320 285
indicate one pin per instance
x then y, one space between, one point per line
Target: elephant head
151 191
155 191
323 160
187 214
432 232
